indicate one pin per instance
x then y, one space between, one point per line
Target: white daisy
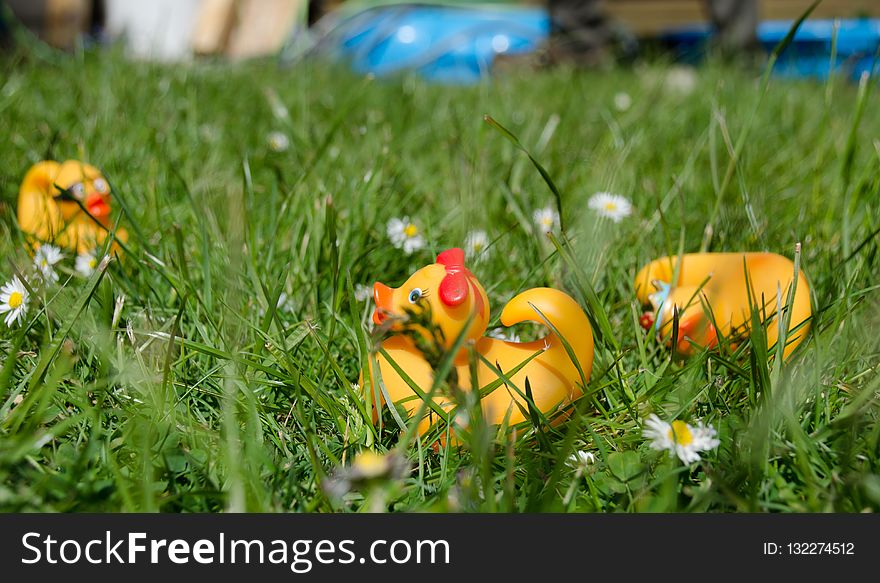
369 464
284 303
13 301
476 245
547 219
622 101
581 459
86 264
362 292
686 441
404 234
278 141
681 79
45 259
503 334
462 419
611 206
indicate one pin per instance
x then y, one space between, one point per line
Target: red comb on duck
454 287
452 258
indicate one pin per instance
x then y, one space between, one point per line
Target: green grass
195 395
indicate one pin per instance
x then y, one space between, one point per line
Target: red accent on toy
451 258
454 287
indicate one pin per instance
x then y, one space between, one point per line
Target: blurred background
461 41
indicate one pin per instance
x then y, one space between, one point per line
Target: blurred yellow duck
716 284
51 202
454 296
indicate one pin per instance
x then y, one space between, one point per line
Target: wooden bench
646 17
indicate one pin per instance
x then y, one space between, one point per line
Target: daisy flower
611 206
278 141
581 459
681 80
362 292
503 334
404 234
45 259
369 464
476 244
284 303
279 110
547 219
622 101
86 264
686 441
13 301
368 467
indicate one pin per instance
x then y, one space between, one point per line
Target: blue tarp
809 54
457 44
442 43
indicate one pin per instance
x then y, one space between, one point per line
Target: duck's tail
546 305
40 176
37 215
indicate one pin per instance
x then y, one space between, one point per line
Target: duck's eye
101 185
415 295
78 190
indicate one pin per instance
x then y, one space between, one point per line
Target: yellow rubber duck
717 281
52 215
454 295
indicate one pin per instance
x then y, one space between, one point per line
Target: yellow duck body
454 295
718 282
50 215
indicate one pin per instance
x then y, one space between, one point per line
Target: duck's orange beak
382 295
97 205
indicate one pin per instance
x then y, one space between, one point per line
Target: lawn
178 382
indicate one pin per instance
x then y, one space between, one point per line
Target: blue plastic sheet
809 54
455 45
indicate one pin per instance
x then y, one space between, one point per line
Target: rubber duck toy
51 200
713 287
454 298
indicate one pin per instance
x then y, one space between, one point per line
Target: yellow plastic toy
715 283
50 215
454 294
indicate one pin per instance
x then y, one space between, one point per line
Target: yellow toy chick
716 284
454 295
51 202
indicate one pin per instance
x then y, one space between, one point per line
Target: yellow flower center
93 262
44 263
680 433
15 300
410 230
610 206
370 463
547 221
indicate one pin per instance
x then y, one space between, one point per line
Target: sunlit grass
175 381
